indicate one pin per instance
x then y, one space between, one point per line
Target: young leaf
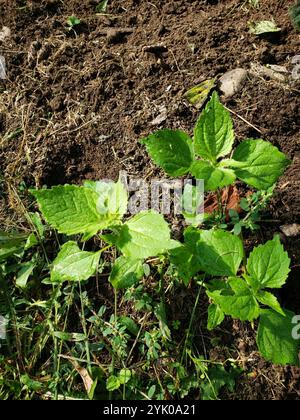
220 253
270 300
172 150
126 272
145 235
269 265
240 304
214 135
275 338
71 209
258 163
215 316
72 264
213 176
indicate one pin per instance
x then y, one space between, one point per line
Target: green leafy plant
95 207
255 161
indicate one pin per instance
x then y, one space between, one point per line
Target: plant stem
190 324
83 321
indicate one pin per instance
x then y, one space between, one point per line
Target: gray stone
232 81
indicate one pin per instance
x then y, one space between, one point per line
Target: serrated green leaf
113 198
275 338
263 27
269 265
197 95
268 299
258 163
240 304
126 272
220 253
72 264
214 135
214 177
72 209
145 235
215 316
172 150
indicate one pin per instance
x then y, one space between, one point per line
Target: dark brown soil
75 105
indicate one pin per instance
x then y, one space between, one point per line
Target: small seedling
73 21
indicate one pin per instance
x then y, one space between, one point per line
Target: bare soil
75 104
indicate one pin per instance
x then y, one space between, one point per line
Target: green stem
191 324
83 321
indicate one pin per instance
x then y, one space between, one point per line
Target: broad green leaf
240 304
11 244
214 135
263 27
145 235
113 198
71 209
214 177
258 163
270 300
220 253
197 95
126 272
215 316
269 265
72 264
185 262
172 150
24 274
275 338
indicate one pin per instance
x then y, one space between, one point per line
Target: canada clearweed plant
64 343
256 162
